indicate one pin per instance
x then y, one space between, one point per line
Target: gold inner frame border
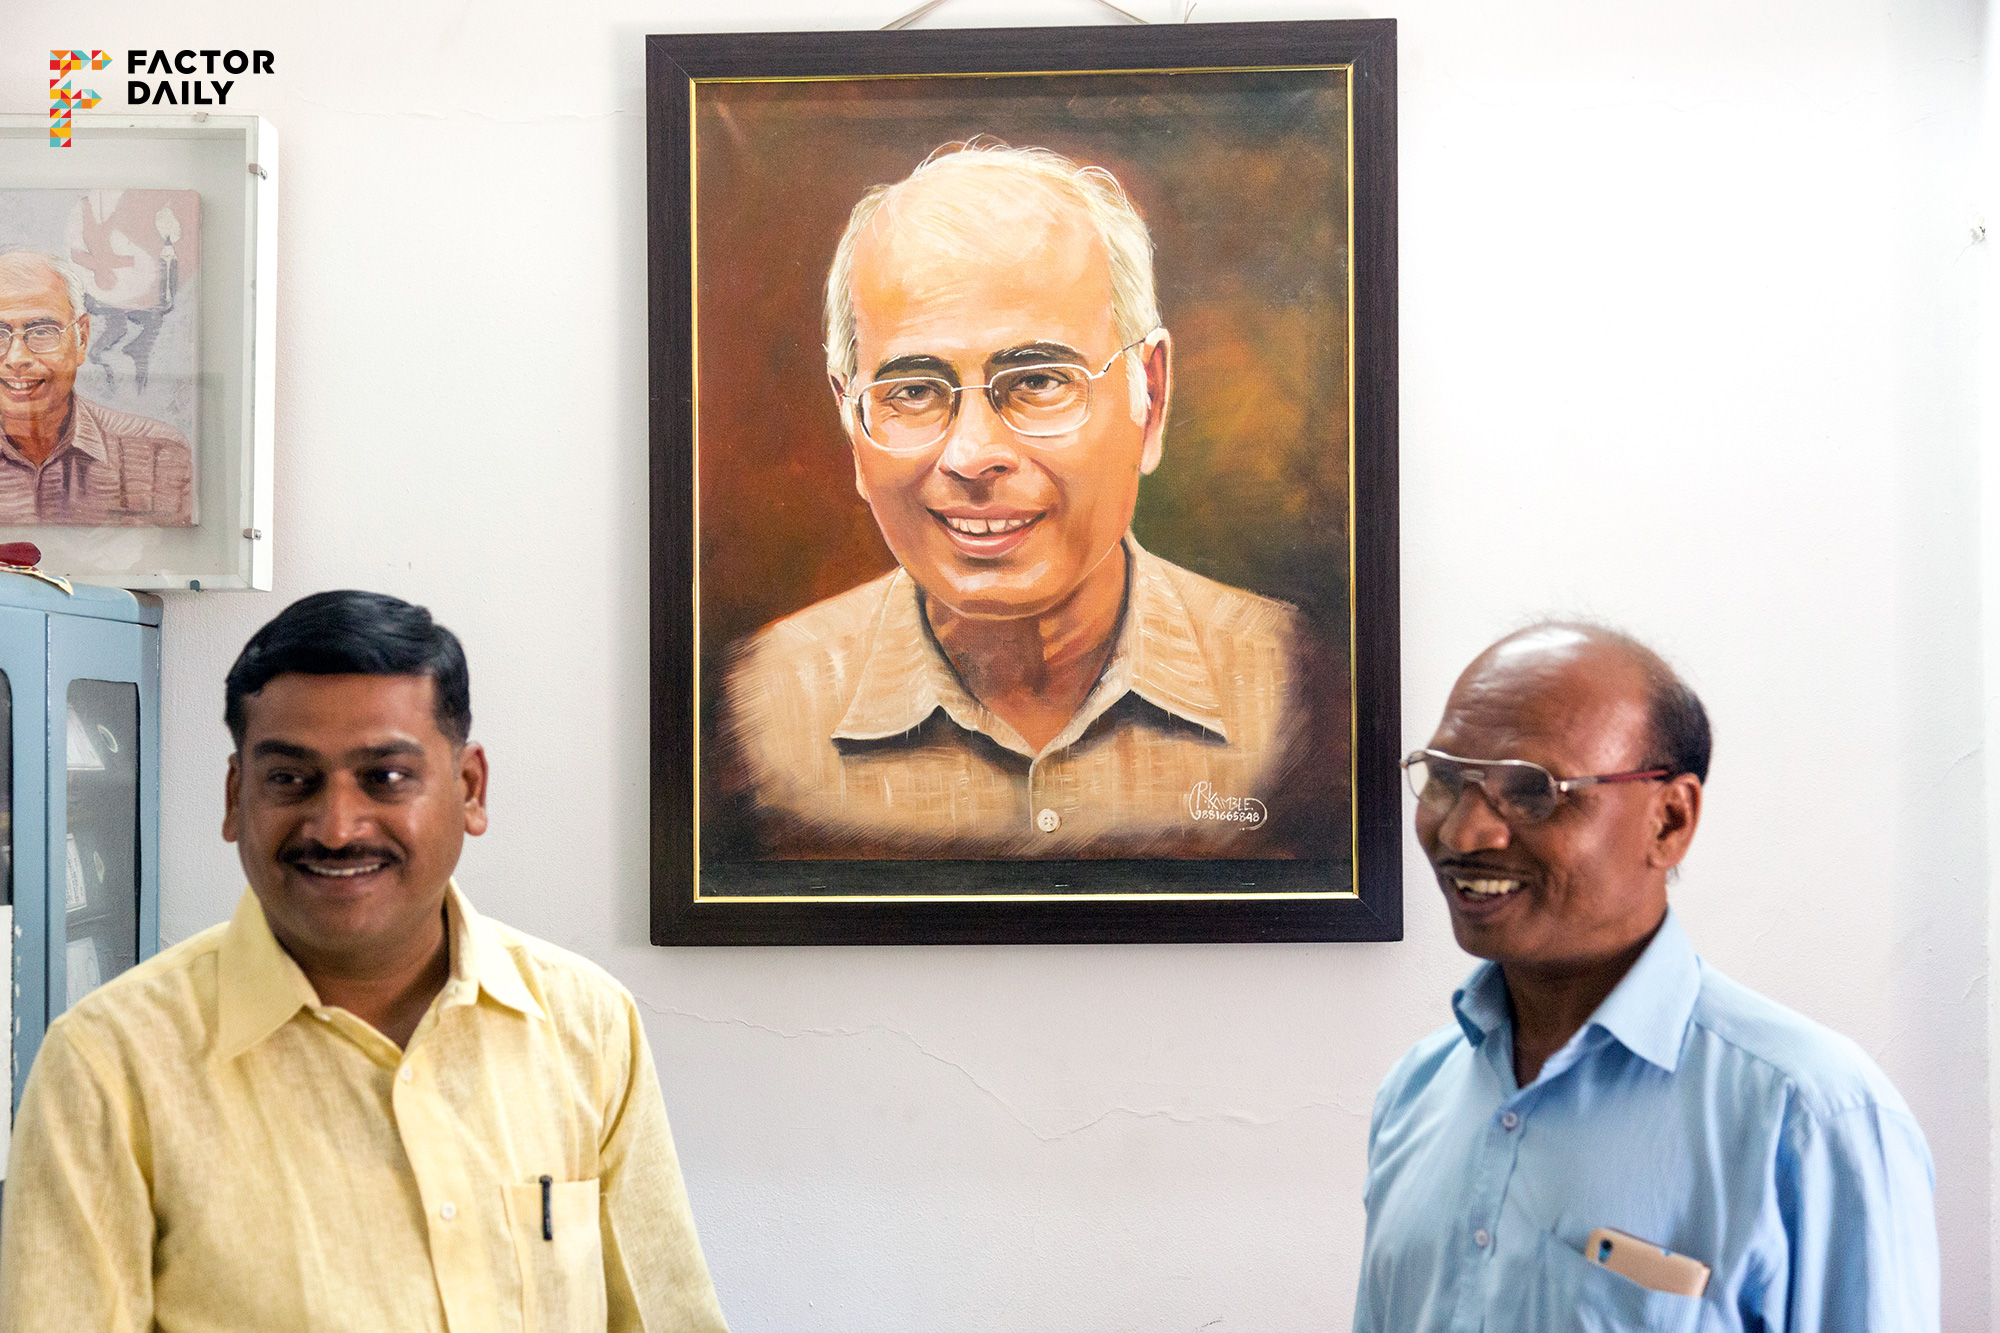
1353 889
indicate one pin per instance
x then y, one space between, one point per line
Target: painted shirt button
450 1210
406 1074
322 1015
1508 1120
1479 1238
1048 821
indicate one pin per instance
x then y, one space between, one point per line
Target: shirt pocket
1578 1296
562 1265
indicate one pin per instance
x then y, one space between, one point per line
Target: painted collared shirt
111 469
854 736
1688 1112
203 1145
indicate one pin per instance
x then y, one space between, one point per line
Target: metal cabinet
80 775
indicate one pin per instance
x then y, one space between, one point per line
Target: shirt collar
1480 1005
479 956
86 432
1647 1011
259 987
906 676
82 432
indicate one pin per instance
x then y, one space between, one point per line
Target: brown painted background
1241 179
1239 176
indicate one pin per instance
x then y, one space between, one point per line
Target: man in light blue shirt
1598 1073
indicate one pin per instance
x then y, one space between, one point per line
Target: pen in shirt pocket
548 1217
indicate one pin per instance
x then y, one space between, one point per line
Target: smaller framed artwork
1024 485
137 305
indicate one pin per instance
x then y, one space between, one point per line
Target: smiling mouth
1482 888
20 386
339 867
349 872
985 527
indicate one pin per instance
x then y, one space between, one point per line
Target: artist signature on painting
1204 802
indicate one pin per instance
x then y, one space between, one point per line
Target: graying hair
1679 735
1135 307
70 275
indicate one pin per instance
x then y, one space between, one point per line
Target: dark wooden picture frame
714 893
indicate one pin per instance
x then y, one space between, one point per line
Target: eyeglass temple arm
1604 779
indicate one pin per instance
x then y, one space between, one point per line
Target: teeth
1487 888
980 527
347 873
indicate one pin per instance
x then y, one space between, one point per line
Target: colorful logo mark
64 99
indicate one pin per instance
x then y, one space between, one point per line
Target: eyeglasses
1518 791
908 415
42 336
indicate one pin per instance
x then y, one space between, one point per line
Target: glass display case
79 796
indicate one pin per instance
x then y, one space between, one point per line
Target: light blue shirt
1689 1112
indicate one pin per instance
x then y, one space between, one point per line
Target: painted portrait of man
1019 530
1029 680
65 459
98 373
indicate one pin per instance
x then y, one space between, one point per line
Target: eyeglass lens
1515 790
911 414
39 337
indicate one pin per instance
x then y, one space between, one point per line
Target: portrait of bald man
65 459
1029 680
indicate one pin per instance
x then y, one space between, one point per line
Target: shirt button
406 1073
1048 821
322 1015
1479 1238
450 1210
1508 1120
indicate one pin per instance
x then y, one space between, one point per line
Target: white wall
1689 309
1986 184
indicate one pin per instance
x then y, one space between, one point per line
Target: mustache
1471 866
351 853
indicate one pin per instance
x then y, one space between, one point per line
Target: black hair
1678 737
349 633
1681 741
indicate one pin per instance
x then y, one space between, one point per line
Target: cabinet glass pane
101 849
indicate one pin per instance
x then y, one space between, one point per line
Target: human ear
472 775
1157 358
232 794
852 429
1676 812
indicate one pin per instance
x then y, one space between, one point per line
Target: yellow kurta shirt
203 1146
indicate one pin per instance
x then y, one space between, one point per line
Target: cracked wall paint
1170 1115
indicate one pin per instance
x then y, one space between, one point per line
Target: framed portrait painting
1023 482
136 386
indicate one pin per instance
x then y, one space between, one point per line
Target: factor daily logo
189 81
189 91
64 97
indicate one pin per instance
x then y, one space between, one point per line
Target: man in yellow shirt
359 1105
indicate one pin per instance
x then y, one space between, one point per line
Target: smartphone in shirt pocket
561 1251
1647 1264
1555 1288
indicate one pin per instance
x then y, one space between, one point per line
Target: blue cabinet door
24 661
